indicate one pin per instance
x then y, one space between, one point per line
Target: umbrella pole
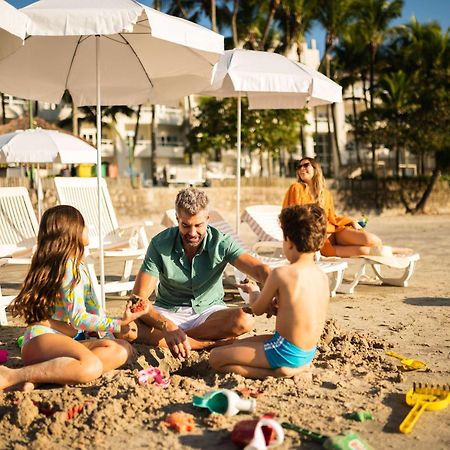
238 164
39 192
99 173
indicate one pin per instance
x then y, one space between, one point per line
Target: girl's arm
73 297
261 302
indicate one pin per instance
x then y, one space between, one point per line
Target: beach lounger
127 244
335 270
81 193
18 233
5 300
263 221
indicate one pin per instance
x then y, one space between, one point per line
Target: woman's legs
350 242
54 358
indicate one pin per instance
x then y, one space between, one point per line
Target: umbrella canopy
107 52
40 146
145 55
13 27
270 81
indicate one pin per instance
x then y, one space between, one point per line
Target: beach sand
351 372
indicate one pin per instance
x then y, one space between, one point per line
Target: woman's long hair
318 180
60 238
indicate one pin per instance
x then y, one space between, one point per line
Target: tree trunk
261 163
75 130
302 141
234 29
336 140
331 152
422 203
364 84
3 109
153 147
182 10
213 16
133 149
273 8
373 52
355 127
397 160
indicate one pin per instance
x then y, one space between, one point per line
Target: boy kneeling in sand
297 293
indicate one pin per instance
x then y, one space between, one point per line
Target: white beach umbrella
107 52
13 27
270 81
39 146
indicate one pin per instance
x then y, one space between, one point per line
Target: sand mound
102 414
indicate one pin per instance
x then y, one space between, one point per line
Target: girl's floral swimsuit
78 306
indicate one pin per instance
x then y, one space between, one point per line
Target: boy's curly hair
305 226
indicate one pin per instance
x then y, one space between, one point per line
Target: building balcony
166 150
107 148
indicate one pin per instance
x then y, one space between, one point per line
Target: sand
351 372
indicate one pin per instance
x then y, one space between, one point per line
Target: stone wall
132 205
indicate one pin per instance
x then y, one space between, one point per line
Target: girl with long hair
345 235
58 303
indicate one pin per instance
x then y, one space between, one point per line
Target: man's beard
194 242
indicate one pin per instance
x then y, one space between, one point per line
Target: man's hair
305 226
191 201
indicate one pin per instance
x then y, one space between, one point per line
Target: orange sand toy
180 422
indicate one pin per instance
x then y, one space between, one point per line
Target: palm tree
374 18
294 20
395 94
334 16
351 68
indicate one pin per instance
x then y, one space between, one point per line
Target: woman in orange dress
345 236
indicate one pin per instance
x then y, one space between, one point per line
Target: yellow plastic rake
423 397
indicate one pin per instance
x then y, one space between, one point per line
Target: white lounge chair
81 193
335 270
18 233
263 220
5 300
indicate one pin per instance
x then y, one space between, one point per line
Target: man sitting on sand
302 294
189 260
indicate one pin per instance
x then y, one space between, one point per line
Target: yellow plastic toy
423 397
408 363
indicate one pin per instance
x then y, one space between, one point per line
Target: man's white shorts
186 318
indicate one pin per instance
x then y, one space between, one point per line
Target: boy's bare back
303 296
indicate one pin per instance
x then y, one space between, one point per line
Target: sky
424 10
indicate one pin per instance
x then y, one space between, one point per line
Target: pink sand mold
153 374
3 356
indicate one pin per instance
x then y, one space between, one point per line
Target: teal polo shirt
182 283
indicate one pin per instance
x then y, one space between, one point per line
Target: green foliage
262 130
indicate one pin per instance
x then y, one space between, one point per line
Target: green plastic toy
347 441
360 416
